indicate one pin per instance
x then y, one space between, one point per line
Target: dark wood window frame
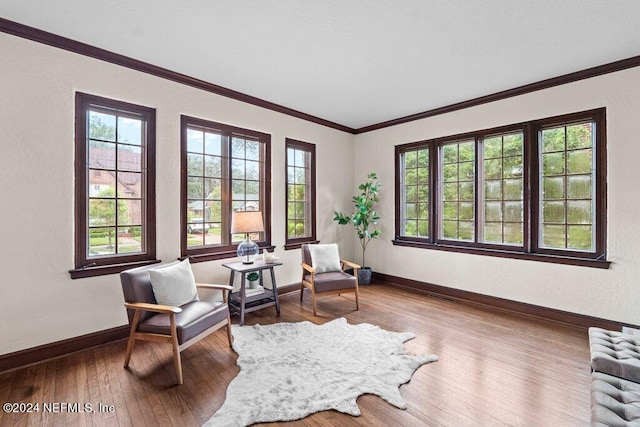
296 243
214 252
97 266
530 250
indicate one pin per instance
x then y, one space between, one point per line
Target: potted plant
253 278
364 219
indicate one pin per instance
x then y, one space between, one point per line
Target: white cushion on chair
174 284
325 258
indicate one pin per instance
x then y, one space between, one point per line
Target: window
224 169
533 190
115 186
503 188
300 193
457 175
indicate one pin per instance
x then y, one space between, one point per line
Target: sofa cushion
173 284
614 402
615 353
196 317
332 281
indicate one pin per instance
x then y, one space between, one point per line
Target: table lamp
247 222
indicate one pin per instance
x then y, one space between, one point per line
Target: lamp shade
247 222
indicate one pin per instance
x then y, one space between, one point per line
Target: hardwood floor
495 369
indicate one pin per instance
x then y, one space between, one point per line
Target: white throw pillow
173 284
325 258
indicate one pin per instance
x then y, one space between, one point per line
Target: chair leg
313 300
176 349
301 291
132 338
357 299
229 336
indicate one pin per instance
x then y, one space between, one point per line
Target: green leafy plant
364 218
253 276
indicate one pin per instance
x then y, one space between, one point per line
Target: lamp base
248 251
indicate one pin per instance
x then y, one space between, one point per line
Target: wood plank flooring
495 369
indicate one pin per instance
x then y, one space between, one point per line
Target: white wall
611 294
40 303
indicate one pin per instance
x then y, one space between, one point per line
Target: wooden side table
240 302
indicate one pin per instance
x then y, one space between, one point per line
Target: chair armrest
156 308
350 264
211 286
308 268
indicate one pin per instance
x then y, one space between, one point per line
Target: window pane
553 236
129 158
493 190
195 140
102 126
580 136
579 161
513 189
102 241
411 176
130 130
553 139
553 188
579 187
129 240
102 155
252 150
237 169
102 212
493 232
129 212
580 237
493 211
212 144
195 188
579 212
129 184
102 183
213 166
513 233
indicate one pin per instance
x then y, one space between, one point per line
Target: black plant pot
364 276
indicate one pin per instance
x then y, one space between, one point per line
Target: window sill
212 256
103 270
555 259
298 244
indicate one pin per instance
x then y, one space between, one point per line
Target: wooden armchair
329 282
180 326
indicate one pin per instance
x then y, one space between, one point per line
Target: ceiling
357 62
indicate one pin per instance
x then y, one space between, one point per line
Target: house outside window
225 169
115 186
534 190
300 193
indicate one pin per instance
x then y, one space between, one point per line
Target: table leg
231 276
275 291
243 298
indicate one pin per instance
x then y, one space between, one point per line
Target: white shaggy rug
291 370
